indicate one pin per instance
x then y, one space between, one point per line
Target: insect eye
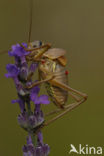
40 43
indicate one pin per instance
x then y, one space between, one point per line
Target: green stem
33 136
34 139
28 108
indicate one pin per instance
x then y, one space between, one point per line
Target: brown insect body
52 66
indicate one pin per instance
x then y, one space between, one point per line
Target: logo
86 150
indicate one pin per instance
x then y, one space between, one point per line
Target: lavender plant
30 120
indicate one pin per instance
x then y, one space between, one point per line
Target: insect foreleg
30 76
40 82
32 49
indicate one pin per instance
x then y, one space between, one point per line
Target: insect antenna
30 25
31 17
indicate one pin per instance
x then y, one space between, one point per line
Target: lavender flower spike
38 150
13 71
29 119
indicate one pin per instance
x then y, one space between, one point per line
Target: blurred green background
78 27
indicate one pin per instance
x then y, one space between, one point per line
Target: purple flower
30 122
22 120
21 104
46 149
18 51
42 150
21 90
23 71
31 150
35 90
43 99
33 67
29 140
40 138
13 71
39 117
23 60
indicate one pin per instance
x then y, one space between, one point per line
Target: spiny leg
58 110
48 45
67 88
30 76
74 105
39 82
69 107
74 96
65 107
48 79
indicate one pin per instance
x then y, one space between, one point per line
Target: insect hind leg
68 108
59 109
65 106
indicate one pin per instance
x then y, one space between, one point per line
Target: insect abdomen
58 95
53 67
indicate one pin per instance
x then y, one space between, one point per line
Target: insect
52 72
